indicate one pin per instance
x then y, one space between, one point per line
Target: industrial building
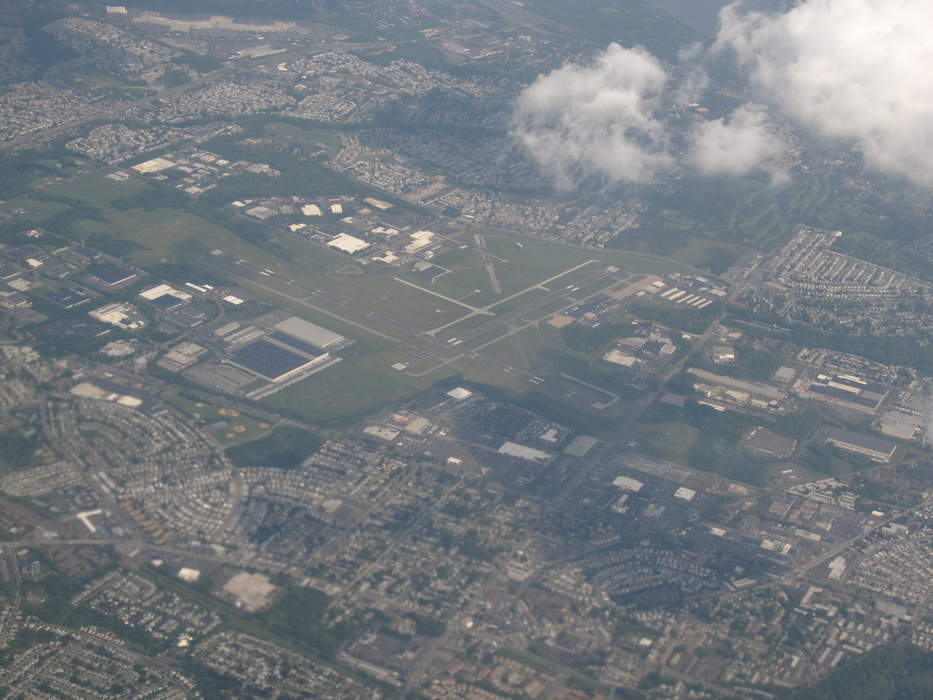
13 300
513 449
68 298
120 314
110 275
580 446
156 165
627 483
273 361
871 447
165 296
347 243
182 356
769 443
848 391
316 336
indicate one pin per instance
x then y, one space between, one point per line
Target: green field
239 428
35 209
394 299
283 448
156 232
351 389
517 302
365 381
307 135
519 268
670 440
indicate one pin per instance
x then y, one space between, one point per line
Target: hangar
316 336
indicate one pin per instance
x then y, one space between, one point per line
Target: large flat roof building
760 439
513 449
848 391
109 274
272 361
311 333
874 448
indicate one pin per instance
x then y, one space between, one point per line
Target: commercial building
121 315
156 165
460 393
347 243
162 290
627 483
685 494
182 356
871 447
513 449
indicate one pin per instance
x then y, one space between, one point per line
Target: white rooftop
460 393
347 243
627 483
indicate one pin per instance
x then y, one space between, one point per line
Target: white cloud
857 70
597 119
736 145
692 87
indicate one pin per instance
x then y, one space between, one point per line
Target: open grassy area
364 381
394 299
239 427
33 209
156 232
309 135
521 262
283 448
468 284
349 390
668 440
90 79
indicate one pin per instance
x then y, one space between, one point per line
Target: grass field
518 268
364 381
469 284
239 428
670 441
157 231
90 79
306 135
349 390
522 299
34 208
388 296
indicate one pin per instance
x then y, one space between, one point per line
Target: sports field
236 427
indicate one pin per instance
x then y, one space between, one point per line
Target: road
438 347
44 135
608 448
312 292
118 108
497 302
65 436
480 241
413 337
